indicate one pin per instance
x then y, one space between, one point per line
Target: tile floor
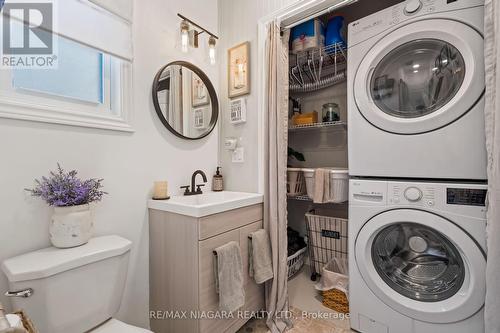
306 306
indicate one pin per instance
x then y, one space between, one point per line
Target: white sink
206 204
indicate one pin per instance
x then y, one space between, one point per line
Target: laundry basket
296 261
327 239
334 285
295 183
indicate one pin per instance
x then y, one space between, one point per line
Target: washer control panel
457 198
419 195
466 196
412 6
388 18
413 194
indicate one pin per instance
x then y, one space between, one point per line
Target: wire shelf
331 52
318 67
331 124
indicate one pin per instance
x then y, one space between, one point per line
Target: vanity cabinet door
209 299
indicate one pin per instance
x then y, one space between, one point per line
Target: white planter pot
71 226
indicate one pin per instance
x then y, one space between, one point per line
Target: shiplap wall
238 21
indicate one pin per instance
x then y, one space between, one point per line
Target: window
89 86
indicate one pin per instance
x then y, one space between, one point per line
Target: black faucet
193 184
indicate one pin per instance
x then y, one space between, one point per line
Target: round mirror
185 100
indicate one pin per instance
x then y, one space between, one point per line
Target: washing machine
416 256
416 91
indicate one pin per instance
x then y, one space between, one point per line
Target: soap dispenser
217 181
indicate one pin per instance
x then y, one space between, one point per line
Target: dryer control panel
375 24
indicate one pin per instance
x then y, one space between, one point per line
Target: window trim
76 115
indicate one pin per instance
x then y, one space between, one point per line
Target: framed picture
239 70
199 91
199 118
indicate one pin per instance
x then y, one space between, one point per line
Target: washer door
421 77
422 265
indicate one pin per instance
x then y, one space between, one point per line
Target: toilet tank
74 290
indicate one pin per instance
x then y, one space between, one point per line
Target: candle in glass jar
160 190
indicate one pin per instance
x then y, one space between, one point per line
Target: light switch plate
238 155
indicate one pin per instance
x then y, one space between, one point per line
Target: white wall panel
129 163
238 23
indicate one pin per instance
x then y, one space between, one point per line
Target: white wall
129 163
238 21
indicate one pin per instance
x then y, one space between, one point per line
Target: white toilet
73 290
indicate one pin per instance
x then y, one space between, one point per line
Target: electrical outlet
238 155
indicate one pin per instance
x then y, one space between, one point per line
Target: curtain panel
276 142
492 125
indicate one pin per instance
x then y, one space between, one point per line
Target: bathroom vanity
184 231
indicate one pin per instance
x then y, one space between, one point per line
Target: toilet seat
116 326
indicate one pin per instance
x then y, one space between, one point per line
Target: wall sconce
184 36
190 36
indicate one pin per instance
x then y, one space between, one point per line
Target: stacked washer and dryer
417 163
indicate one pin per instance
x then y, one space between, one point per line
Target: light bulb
184 36
211 50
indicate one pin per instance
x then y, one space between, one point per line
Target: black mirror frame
211 92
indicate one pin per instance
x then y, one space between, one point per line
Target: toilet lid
116 326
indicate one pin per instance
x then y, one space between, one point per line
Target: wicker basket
296 261
336 300
28 325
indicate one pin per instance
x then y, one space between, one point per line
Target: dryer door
422 265
421 77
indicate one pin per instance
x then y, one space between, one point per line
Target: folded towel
229 277
321 186
260 264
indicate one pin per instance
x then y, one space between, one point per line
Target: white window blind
91 85
122 8
105 25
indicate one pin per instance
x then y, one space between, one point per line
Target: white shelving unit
327 125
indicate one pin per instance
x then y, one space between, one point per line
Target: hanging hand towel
229 277
260 264
321 185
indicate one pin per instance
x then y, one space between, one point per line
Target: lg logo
27 28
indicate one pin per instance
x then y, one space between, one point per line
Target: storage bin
307 35
305 118
327 239
339 184
295 183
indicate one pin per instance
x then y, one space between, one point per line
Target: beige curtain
492 118
275 213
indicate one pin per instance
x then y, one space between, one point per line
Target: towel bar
215 252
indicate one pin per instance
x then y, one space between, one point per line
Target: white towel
260 264
229 277
321 186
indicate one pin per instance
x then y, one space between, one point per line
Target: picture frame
239 70
199 92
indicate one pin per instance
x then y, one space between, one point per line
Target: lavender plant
63 189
